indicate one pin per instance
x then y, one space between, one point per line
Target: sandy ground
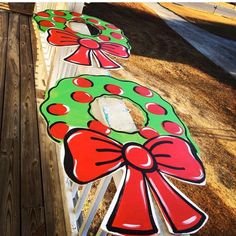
202 94
220 50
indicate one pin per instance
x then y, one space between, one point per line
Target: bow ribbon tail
81 56
181 215
132 213
104 61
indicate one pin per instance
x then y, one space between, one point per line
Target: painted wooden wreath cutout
162 148
110 41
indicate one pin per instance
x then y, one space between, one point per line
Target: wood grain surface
30 193
10 135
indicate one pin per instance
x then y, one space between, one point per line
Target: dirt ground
202 94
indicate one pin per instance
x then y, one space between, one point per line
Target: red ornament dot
100 27
82 82
93 20
104 38
114 89
143 91
82 97
75 14
77 19
155 108
116 35
99 127
111 26
46 23
58 130
148 132
59 19
172 127
43 14
59 13
58 109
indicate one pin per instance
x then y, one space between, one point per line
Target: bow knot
90 155
89 43
138 157
87 48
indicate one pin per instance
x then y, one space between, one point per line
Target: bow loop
176 157
92 154
62 38
115 49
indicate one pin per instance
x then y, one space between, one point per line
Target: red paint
59 19
114 89
116 35
58 109
43 14
100 27
93 21
139 157
83 145
46 23
82 82
86 47
172 127
58 130
104 38
77 19
99 127
132 213
148 133
75 14
67 29
111 26
59 13
155 108
89 43
95 155
175 208
83 97
143 91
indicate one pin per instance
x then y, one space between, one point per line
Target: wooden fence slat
33 221
52 183
55 221
10 137
3 51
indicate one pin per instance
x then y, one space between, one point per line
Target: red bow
90 155
87 47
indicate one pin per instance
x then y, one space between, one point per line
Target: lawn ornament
109 41
162 149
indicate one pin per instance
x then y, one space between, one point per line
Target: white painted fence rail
75 195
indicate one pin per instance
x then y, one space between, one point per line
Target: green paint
79 113
85 18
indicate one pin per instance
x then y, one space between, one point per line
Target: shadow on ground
150 37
